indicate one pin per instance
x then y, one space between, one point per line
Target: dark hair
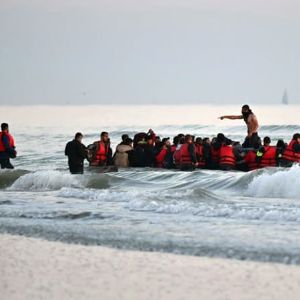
128 141
103 133
78 135
176 140
198 140
188 137
221 137
296 136
267 140
280 144
4 126
124 137
246 106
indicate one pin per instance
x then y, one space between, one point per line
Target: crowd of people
186 152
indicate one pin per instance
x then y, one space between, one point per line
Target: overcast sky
149 52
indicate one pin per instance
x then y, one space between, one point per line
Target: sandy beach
37 269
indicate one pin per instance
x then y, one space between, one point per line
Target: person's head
104 137
4 127
280 144
78 136
267 141
128 141
124 137
206 141
149 140
176 140
296 137
246 111
221 138
181 140
188 139
157 139
198 141
166 141
180 135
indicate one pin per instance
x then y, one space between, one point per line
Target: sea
235 215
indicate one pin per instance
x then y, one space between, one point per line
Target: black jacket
76 153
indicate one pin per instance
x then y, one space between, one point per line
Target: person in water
102 153
7 147
76 152
250 119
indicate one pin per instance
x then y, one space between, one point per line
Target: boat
285 99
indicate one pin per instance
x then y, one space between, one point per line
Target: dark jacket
76 153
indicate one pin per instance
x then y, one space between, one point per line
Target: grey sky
135 52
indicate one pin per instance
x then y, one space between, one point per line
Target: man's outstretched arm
231 117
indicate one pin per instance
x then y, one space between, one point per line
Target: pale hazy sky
137 51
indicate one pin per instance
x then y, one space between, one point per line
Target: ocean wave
55 180
276 183
8 177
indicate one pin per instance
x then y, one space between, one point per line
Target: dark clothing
150 155
252 142
138 157
76 153
5 156
207 154
192 152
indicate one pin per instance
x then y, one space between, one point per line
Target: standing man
252 126
76 153
7 147
102 153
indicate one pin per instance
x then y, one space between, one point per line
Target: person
123 153
292 152
102 153
252 125
187 155
199 152
280 148
206 143
7 147
164 157
76 152
227 160
267 154
251 160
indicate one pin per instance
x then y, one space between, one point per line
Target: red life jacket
251 161
101 155
290 154
269 157
184 155
215 155
173 148
227 157
160 157
11 141
200 155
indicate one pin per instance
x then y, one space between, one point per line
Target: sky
149 52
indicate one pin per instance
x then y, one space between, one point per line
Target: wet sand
37 269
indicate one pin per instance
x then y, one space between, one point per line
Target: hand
221 118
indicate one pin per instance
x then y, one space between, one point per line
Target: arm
231 117
9 150
192 153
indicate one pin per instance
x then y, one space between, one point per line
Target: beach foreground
37 269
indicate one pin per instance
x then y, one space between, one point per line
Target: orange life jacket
215 154
269 157
184 155
200 155
101 155
290 154
160 157
11 141
251 160
227 157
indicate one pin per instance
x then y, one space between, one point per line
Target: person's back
76 153
227 160
7 147
267 154
121 158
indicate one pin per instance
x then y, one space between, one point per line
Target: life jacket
11 141
290 154
200 155
215 154
269 157
177 155
185 156
100 157
173 148
227 157
251 160
160 157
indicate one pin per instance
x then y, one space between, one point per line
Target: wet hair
124 137
103 133
296 136
78 135
267 140
280 144
4 126
246 106
198 140
176 140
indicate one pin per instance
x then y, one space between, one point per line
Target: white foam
281 184
45 181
